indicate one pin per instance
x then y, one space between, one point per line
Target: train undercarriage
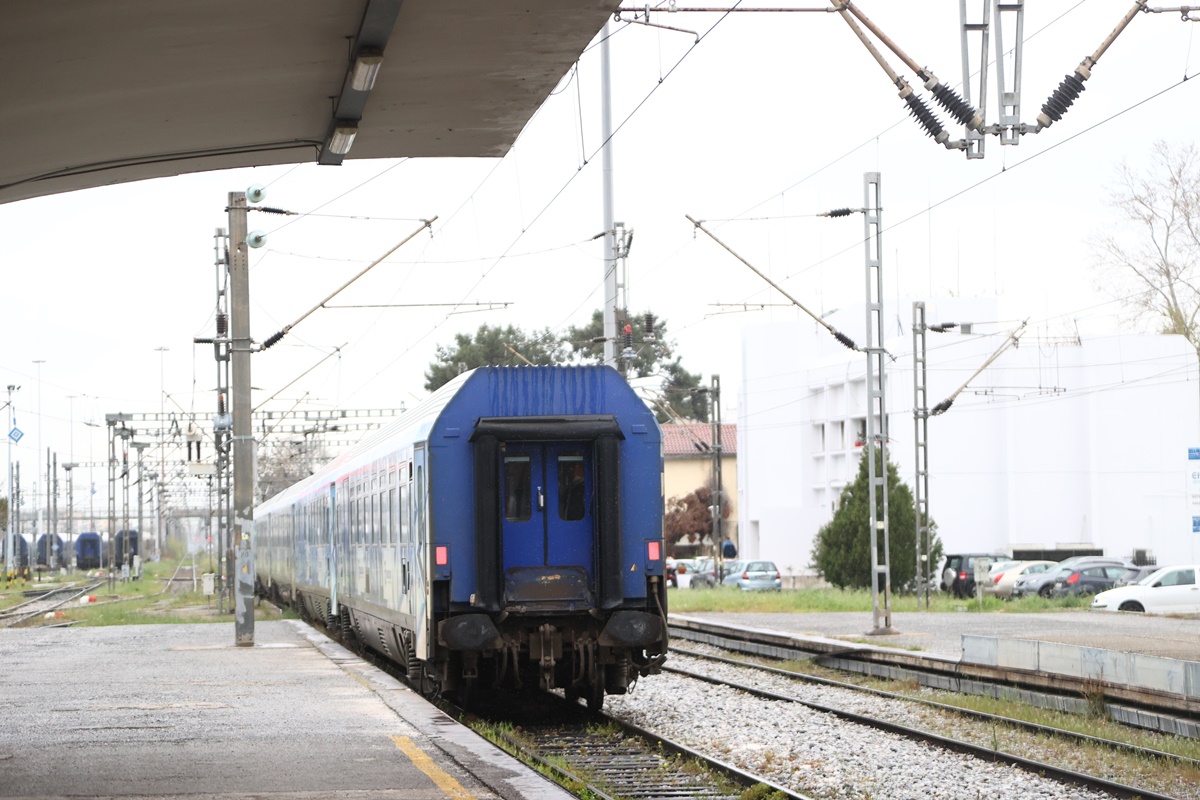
587 656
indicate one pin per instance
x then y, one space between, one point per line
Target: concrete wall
1132 669
1062 442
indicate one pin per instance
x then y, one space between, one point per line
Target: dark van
958 575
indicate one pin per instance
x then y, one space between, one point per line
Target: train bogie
507 531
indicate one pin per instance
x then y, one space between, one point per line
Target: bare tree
282 463
1156 270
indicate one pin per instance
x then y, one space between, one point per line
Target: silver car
1043 583
758 576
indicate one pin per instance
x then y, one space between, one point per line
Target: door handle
541 499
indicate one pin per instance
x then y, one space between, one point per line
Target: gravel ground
823 756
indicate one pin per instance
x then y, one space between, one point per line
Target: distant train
126 546
89 551
20 557
507 531
57 550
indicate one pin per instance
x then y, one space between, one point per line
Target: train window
516 488
571 492
392 512
403 513
359 520
420 503
373 520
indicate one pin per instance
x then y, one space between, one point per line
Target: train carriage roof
498 391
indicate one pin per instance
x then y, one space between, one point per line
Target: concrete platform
177 710
941 633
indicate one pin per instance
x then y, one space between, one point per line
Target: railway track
628 756
987 746
593 755
46 602
698 731
1173 714
604 758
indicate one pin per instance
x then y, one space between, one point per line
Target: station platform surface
175 711
941 632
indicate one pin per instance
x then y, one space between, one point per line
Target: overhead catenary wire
554 199
944 406
841 337
274 338
335 351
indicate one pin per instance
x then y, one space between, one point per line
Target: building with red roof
690 457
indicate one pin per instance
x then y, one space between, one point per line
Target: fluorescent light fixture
343 137
366 68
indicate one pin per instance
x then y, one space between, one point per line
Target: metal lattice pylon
877 433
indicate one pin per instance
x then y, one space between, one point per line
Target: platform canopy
94 93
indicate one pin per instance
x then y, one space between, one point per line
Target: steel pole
9 542
610 241
240 551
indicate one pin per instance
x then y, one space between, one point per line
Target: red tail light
442 555
654 550
962 576
1074 578
777 576
745 576
998 577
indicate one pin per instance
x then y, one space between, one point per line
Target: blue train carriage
20 556
89 551
51 551
507 531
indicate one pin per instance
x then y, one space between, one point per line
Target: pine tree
842 551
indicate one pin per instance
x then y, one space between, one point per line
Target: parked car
1087 578
1003 577
704 575
1042 583
1170 590
758 576
1134 575
958 574
680 571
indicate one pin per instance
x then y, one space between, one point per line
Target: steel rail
1034 727
979 751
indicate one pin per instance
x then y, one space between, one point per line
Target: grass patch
828 600
152 599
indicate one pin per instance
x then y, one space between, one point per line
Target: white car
1170 590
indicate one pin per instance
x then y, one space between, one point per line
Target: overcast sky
769 119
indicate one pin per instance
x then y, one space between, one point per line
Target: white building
1062 444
